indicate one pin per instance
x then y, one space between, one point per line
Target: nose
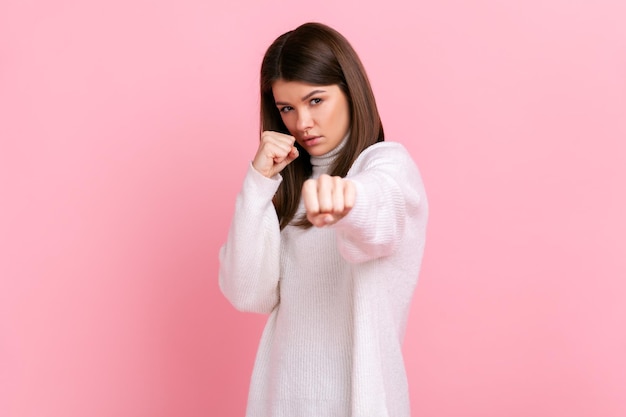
305 121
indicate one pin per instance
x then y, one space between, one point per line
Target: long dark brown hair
317 54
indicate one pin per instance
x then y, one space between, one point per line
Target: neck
322 163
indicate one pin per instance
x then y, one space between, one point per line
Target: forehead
298 89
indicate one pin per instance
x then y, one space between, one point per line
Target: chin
317 152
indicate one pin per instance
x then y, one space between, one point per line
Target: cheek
342 118
341 114
288 122
334 117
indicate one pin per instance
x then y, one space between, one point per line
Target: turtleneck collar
321 164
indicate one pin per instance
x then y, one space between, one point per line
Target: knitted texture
337 297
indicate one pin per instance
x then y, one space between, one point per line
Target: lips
311 140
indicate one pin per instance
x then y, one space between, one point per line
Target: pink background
126 127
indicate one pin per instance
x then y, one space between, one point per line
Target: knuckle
326 181
309 187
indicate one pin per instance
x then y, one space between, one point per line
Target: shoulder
391 154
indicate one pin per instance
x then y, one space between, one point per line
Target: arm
369 207
250 258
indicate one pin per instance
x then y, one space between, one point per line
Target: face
318 116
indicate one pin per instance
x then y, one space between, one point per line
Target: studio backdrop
126 127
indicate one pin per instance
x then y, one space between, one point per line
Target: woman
327 238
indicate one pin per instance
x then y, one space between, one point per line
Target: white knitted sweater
338 296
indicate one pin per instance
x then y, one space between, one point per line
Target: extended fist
327 199
276 151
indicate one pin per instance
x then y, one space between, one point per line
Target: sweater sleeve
249 260
388 192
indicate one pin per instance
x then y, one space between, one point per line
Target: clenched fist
327 199
276 151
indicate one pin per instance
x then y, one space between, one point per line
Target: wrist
261 171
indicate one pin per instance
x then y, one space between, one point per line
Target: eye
315 101
285 109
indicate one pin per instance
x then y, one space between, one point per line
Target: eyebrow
312 93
